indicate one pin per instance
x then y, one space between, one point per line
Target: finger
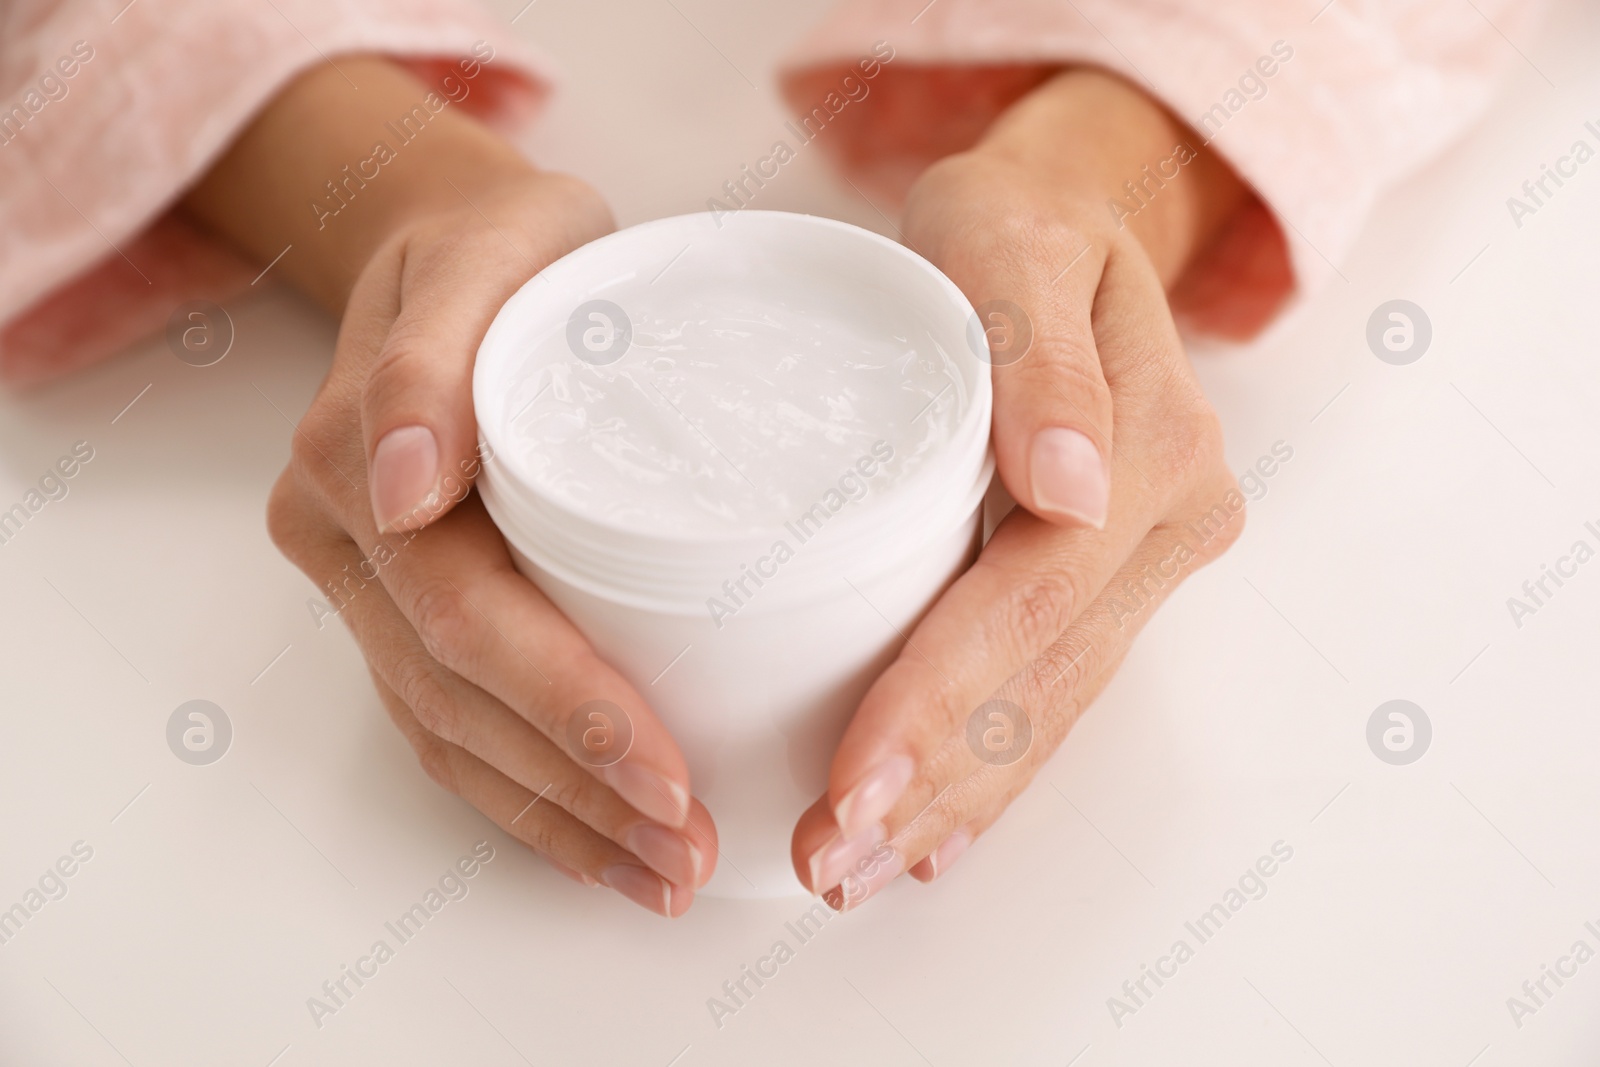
963 788
969 814
827 857
952 848
952 789
651 774
1032 578
1033 282
572 847
501 738
435 640
464 597
489 729
416 405
480 618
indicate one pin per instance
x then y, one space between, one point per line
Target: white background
1418 499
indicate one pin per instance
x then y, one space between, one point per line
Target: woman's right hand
484 676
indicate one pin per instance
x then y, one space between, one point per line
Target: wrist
325 171
1094 139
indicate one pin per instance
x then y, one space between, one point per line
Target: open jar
743 454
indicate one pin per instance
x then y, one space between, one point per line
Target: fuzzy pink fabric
92 161
108 112
1370 90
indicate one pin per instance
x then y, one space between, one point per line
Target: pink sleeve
108 112
1319 114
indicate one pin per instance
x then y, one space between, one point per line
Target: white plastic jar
743 455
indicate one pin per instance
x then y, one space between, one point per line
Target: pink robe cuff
107 117
1319 115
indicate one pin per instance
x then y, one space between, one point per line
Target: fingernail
861 883
651 795
576 876
831 862
873 796
667 853
940 859
1068 477
679 897
405 473
643 887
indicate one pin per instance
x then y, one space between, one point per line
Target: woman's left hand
1102 435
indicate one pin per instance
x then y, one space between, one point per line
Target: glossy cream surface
737 404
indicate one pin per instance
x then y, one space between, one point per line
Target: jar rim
664 565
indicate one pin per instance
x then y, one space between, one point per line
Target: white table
1419 498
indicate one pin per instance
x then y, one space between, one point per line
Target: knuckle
584 210
566 793
1041 606
445 621
1228 536
1028 236
429 700
538 825
300 531
538 833
318 442
390 375
1220 519
972 209
435 757
940 188
286 524
1061 669
1191 449
1019 227
1069 370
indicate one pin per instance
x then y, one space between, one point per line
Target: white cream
736 405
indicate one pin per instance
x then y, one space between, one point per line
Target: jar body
743 458
758 704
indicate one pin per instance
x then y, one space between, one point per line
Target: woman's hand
502 699
1102 434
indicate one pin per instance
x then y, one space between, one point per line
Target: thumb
417 418
1052 406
